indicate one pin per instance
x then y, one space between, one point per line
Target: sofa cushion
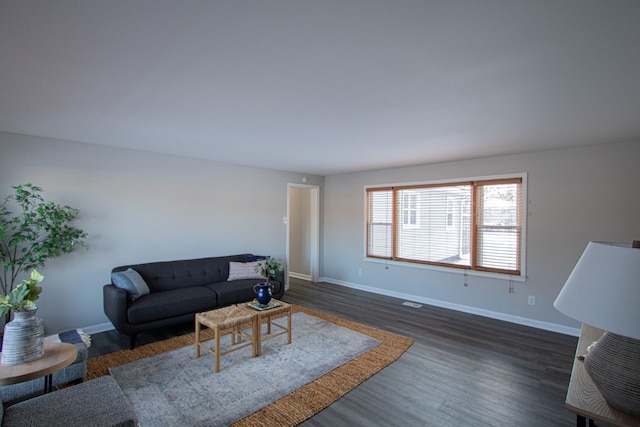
163 305
99 402
131 281
244 270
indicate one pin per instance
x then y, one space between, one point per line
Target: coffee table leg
289 324
217 345
254 333
259 334
197 336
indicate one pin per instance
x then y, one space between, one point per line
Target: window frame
472 269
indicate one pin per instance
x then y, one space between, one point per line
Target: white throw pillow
244 270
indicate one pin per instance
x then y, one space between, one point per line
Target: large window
473 225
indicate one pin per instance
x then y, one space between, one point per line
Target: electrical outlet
532 300
359 272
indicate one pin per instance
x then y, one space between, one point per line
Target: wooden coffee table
227 320
265 316
57 355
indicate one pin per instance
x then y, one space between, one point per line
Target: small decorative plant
24 296
268 268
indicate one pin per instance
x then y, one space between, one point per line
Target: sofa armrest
280 277
115 302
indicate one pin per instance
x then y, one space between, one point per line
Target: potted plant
268 268
23 339
23 297
36 232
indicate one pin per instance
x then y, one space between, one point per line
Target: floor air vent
412 304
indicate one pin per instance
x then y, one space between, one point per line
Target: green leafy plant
35 233
268 268
23 296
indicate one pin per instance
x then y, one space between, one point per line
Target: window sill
461 271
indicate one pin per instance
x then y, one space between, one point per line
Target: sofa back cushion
168 275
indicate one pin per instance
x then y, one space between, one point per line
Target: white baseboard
94 329
547 326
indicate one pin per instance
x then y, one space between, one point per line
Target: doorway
303 232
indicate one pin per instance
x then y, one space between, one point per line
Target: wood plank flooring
463 370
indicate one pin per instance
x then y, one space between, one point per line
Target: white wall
575 196
140 207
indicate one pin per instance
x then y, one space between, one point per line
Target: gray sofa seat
172 303
178 290
97 403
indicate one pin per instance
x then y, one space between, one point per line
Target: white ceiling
323 86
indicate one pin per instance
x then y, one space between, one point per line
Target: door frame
314 220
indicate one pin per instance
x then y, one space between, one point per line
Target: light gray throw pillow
131 281
244 270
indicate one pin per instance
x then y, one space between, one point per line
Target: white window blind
499 226
472 225
379 222
433 241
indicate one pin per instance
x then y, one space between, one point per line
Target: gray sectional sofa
154 295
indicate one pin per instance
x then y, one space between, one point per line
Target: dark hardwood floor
463 370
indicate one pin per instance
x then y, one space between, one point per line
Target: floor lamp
604 291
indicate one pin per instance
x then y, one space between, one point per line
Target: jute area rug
303 402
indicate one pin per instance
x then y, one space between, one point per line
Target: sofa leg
132 341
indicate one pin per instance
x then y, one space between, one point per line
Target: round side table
56 356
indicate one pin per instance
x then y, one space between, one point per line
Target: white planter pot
23 339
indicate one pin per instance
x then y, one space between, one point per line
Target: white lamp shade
604 289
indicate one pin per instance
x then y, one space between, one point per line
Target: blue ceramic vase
263 293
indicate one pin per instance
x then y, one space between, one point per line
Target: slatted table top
225 317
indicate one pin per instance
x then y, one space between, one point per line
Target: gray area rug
176 389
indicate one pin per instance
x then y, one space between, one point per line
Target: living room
142 207
150 203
